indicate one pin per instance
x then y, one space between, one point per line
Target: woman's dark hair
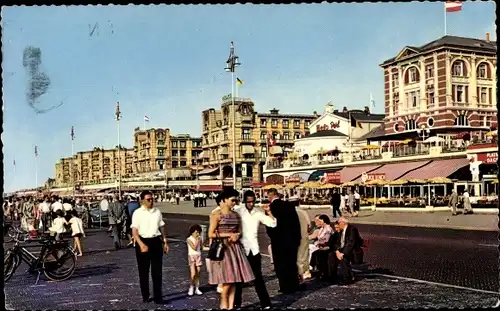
59 213
74 213
217 199
325 219
226 194
194 228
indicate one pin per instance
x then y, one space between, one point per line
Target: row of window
284 123
460 94
459 69
460 120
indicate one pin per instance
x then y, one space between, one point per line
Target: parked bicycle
57 259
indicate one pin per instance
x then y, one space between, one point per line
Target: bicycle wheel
10 263
9 236
61 268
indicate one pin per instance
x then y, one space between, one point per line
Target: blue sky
167 62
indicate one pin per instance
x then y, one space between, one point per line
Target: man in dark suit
348 247
335 201
285 241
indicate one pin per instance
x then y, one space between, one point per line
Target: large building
156 150
252 132
97 165
446 86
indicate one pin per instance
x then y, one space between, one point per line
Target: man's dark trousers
154 258
336 209
260 286
285 265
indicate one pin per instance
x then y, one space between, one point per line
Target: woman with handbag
228 262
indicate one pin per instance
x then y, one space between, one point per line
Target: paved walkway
107 279
429 220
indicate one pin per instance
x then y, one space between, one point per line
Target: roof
360 115
326 133
376 132
473 44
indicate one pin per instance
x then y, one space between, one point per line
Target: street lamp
423 132
231 64
118 116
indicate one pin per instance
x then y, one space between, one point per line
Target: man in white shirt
57 205
45 216
148 230
251 218
67 206
357 202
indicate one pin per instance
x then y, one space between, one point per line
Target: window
224 134
395 80
161 152
183 163
160 165
174 144
286 135
245 110
263 122
175 153
461 120
296 135
183 153
413 75
263 135
459 94
246 134
276 135
274 123
285 124
296 124
412 99
483 97
183 144
430 122
429 71
263 152
161 142
307 123
430 98
487 121
482 71
458 69
410 125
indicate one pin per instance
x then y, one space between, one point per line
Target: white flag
146 119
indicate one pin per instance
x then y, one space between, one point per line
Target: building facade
446 86
157 150
97 165
253 131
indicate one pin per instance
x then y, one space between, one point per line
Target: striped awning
246 149
223 151
276 150
437 168
394 171
208 171
349 173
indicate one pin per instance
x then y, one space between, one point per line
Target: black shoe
146 300
117 246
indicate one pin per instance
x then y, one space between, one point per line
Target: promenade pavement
107 279
486 222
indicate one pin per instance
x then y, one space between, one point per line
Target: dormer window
263 122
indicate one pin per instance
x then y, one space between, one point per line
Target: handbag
216 250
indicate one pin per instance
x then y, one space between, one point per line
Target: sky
167 62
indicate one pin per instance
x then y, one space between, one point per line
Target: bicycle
53 256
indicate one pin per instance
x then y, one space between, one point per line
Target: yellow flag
238 81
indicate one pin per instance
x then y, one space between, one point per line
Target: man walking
303 252
117 217
285 241
147 222
251 218
335 201
453 202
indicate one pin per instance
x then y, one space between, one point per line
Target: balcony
247 139
461 104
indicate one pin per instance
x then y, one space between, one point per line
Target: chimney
487 37
345 109
367 110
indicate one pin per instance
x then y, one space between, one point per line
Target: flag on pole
453 6
146 118
239 81
72 133
14 162
372 102
36 151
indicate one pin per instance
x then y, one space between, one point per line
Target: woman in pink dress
234 267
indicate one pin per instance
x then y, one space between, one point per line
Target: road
456 257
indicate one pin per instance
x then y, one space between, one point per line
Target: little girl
194 259
58 225
77 230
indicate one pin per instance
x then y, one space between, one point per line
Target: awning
276 150
394 171
437 168
208 171
246 149
207 188
224 151
349 173
316 175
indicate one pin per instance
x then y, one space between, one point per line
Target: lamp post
73 161
423 132
118 116
231 64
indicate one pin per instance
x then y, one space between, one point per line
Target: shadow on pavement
94 270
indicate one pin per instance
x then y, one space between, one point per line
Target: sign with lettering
372 176
325 127
488 158
292 180
332 178
226 97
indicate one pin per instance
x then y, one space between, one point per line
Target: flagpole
72 161
118 117
144 120
445 30
36 166
350 136
15 175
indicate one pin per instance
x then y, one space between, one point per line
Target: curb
427 209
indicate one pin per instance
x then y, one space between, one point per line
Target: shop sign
372 176
488 158
332 178
325 127
293 180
